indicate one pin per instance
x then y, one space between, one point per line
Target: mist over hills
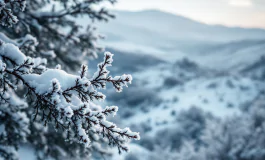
174 27
171 37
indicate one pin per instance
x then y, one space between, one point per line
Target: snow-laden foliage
7 15
239 137
198 135
61 39
38 100
62 98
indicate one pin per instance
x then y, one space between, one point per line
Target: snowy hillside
170 37
164 92
172 28
184 84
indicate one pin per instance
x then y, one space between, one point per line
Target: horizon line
187 17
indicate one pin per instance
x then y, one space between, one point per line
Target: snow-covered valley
163 91
181 67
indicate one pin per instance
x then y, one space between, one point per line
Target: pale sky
243 13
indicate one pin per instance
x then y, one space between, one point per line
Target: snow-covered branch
7 17
61 39
101 77
31 87
64 99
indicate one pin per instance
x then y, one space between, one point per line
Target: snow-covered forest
81 81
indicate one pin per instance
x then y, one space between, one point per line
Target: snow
175 37
102 67
15 100
11 51
20 41
113 109
2 66
43 82
82 134
55 84
22 119
50 53
134 149
232 58
26 153
27 38
226 99
9 150
4 38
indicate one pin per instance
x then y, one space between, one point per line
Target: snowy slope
172 37
181 86
221 95
230 56
256 70
171 27
162 88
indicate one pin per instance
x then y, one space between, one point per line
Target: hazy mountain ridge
178 27
170 37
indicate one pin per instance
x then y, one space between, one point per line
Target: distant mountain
152 24
230 56
171 37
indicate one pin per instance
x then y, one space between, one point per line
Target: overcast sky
244 13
